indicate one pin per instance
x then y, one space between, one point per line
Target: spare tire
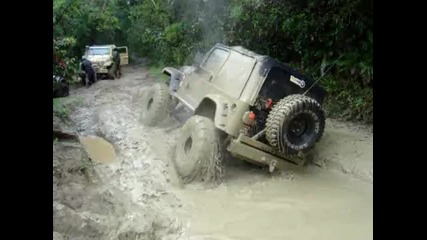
295 124
156 104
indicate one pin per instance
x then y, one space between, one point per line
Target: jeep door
198 84
124 55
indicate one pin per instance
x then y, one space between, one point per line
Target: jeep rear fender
225 112
175 77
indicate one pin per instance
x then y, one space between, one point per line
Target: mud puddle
98 149
254 205
249 204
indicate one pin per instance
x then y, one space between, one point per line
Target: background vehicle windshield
99 51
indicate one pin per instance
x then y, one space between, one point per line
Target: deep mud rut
140 197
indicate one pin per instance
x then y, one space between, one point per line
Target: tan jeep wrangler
101 57
250 105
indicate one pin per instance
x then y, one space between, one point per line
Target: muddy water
253 205
249 204
98 149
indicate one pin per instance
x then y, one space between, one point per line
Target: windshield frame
98 51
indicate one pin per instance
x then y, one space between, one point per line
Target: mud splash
144 201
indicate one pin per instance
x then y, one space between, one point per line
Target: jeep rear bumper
259 153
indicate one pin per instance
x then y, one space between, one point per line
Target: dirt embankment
138 197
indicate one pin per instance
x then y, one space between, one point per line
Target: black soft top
268 62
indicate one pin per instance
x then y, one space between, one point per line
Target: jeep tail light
252 115
248 118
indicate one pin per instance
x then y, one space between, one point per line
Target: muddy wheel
156 104
198 151
295 124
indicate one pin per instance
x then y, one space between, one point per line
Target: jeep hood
98 58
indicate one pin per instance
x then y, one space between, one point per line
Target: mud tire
155 105
295 124
198 151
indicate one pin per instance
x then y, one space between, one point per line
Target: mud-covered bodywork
101 57
231 80
269 111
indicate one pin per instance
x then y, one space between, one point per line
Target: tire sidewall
149 94
192 157
159 107
279 124
204 138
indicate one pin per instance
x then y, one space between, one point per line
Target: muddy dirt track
140 197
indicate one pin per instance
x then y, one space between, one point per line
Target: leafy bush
64 64
62 107
348 101
311 35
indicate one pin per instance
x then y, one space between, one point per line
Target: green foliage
88 21
59 110
311 35
64 63
62 107
348 101
314 35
